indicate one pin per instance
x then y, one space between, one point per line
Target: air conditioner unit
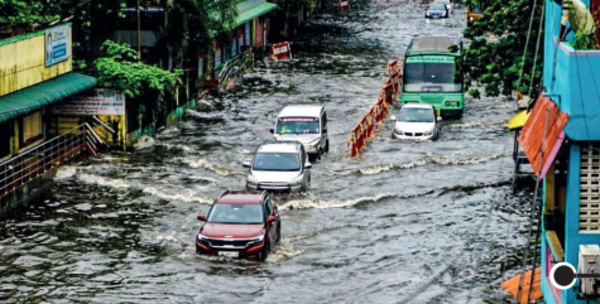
589 262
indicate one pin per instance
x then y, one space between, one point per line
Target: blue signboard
58 44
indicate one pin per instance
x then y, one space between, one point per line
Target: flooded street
426 222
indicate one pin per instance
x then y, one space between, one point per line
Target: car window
277 162
235 214
268 208
437 6
298 125
416 115
324 120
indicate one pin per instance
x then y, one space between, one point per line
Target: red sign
344 5
281 51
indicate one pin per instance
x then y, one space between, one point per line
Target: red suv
241 224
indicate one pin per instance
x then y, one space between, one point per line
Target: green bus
428 75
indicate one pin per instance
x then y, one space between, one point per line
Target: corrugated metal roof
532 136
254 12
40 95
512 286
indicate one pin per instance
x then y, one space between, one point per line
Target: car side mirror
324 130
439 119
392 117
246 164
271 219
307 165
202 217
272 131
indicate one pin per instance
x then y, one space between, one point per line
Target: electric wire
534 204
526 44
537 48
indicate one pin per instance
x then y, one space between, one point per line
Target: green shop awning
253 12
40 95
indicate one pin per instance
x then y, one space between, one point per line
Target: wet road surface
428 222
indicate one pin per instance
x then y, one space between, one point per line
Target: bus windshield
430 77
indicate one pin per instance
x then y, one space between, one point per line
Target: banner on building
95 102
58 44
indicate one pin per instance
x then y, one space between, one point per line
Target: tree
147 85
497 62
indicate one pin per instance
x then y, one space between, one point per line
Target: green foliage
494 57
583 40
26 11
120 70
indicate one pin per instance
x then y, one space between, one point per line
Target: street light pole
139 31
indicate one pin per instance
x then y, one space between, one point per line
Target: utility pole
139 31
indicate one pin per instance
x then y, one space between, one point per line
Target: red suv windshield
236 214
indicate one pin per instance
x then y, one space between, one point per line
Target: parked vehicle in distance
447 3
417 122
306 124
428 75
240 224
436 10
474 12
279 166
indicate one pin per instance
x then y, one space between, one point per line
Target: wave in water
440 160
283 252
186 197
102 181
203 163
325 204
475 124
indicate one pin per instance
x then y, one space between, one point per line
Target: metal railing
30 164
242 61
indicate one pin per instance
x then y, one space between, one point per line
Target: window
32 128
324 120
277 162
430 77
235 214
416 115
298 125
5 135
268 208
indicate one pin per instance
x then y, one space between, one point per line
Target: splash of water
102 181
186 197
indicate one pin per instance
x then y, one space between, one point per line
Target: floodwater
427 222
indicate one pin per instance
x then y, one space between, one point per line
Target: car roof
280 147
301 111
241 197
417 106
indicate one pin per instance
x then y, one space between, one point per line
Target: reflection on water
426 222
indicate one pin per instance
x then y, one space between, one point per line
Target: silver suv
280 166
306 124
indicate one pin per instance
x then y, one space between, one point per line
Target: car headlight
297 181
430 132
202 238
444 14
470 18
398 131
257 240
252 180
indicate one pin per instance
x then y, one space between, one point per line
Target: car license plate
435 17
229 253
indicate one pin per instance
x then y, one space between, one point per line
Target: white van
306 124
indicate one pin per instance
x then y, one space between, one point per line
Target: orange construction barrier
372 122
280 51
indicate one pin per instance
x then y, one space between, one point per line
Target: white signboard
58 44
99 102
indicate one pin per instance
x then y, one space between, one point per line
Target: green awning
254 12
40 95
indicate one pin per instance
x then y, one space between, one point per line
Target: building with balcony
562 141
